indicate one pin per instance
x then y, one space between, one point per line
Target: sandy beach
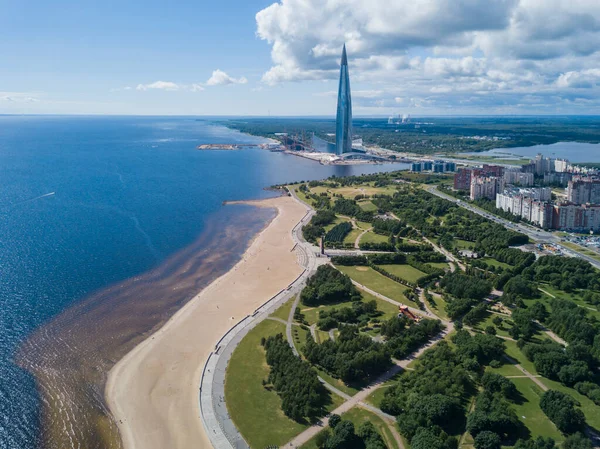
153 391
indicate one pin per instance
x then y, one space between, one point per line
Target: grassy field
351 192
283 312
311 314
378 282
507 369
405 272
376 397
371 237
507 324
367 206
359 415
513 351
548 292
337 383
529 411
255 410
440 307
337 220
463 244
299 336
442 265
352 235
363 225
495 263
301 195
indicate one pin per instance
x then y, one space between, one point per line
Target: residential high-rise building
486 187
343 124
575 217
582 190
518 178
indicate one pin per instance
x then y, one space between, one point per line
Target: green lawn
367 206
506 325
549 291
352 235
529 412
337 383
321 336
377 282
463 244
337 220
440 307
371 237
255 410
513 351
359 415
507 369
495 263
299 337
363 225
301 195
405 272
590 410
376 397
442 265
283 312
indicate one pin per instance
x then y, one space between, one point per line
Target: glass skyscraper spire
343 124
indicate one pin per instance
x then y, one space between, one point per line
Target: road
535 234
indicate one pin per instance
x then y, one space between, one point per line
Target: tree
538 443
487 440
322 437
334 420
490 330
560 408
577 441
497 320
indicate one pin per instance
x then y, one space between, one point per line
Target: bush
487 440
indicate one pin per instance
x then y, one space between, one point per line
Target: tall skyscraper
343 125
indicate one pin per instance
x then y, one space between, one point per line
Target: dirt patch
362 268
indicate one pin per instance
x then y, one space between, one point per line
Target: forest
436 134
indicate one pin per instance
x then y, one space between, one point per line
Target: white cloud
18 97
220 78
161 85
439 53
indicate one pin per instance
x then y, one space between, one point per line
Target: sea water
89 202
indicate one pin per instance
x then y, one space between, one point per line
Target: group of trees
328 286
427 401
343 435
494 420
338 233
463 293
352 357
359 314
403 336
564 273
561 410
295 381
478 349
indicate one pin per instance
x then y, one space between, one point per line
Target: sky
252 57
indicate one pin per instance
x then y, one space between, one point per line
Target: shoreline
152 391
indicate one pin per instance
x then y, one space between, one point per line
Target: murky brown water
71 355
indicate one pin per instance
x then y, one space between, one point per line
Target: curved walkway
213 411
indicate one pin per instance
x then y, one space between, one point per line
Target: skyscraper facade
343 124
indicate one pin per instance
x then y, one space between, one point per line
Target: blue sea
96 213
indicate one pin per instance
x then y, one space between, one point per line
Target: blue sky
260 57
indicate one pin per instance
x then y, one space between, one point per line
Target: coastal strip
153 391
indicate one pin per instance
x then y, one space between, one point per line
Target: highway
535 234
